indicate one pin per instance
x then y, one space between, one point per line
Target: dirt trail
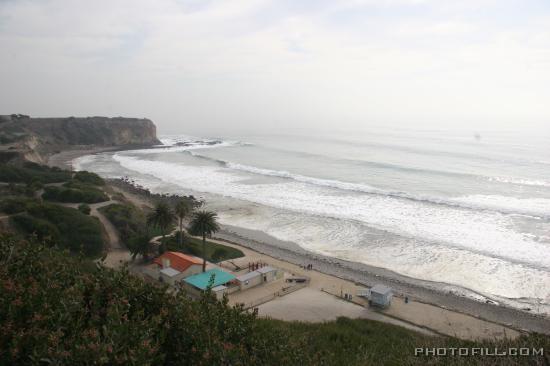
112 233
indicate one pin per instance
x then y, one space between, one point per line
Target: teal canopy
202 280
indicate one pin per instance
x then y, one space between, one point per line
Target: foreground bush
56 309
62 310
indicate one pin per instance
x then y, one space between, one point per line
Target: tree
204 223
183 208
140 245
163 218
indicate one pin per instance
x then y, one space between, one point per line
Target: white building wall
254 281
171 280
274 275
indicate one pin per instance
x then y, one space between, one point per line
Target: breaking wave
507 205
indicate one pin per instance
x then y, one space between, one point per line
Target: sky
207 66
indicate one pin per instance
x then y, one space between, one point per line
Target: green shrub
63 194
84 208
32 187
88 177
79 231
76 184
57 308
44 230
129 221
30 172
14 205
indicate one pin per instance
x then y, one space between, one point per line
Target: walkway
310 305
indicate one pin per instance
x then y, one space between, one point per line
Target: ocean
471 211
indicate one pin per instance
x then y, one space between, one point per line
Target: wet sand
64 159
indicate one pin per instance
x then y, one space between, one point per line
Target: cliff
36 138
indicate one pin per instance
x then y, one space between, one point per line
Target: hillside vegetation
74 195
64 310
63 227
48 222
31 172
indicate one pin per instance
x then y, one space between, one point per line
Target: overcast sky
202 66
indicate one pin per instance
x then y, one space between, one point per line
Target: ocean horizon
467 210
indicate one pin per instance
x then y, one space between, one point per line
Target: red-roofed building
174 266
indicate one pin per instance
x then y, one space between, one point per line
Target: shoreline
366 275
64 158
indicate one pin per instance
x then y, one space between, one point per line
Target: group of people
253 266
309 267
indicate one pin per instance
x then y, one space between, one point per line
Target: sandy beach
365 275
65 158
431 294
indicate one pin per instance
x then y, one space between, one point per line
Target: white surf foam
521 181
511 205
531 206
488 233
185 143
82 160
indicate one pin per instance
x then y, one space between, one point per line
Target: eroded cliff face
40 137
101 131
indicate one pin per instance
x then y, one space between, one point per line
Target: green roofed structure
202 280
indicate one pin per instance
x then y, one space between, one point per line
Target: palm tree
163 218
183 208
140 245
204 223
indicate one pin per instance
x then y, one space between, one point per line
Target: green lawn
214 252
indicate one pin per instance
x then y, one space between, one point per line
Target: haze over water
469 211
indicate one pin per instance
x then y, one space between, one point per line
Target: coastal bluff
38 138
